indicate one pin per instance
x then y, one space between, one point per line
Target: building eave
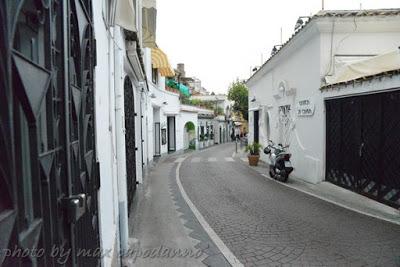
312 21
387 74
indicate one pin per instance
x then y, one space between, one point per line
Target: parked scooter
280 166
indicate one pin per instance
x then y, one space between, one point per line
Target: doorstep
334 194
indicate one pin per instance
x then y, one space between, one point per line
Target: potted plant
254 153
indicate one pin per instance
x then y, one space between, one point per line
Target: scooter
280 166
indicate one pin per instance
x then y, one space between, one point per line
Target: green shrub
254 148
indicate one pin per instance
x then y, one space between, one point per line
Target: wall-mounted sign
305 108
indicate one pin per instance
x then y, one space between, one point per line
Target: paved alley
164 230
266 224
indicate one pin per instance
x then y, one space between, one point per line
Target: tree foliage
212 105
190 126
239 93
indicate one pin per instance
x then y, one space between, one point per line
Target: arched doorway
130 145
189 136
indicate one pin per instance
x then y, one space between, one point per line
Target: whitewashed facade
222 123
291 80
163 104
117 60
126 91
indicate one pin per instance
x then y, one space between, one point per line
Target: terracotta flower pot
253 159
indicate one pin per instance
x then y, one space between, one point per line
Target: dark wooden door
171 134
363 145
256 126
130 144
157 139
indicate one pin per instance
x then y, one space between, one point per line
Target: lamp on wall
165 103
300 22
254 99
275 49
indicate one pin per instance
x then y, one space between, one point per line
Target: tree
239 93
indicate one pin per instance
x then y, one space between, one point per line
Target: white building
221 101
289 101
121 94
222 124
196 84
84 105
167 118
137 116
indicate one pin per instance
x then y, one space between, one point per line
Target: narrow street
264 223
120 121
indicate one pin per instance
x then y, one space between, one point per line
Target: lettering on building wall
305 108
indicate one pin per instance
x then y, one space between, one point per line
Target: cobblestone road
267 224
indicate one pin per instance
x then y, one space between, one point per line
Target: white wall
110 72
168 104
301 65
181 120
204 122
221 127
150 130
298 71
138 131
105 135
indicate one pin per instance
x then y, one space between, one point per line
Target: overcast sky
219 40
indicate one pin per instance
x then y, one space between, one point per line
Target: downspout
133 37
142 98
120 152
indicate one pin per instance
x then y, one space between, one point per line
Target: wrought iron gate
363 145
130 146
48 173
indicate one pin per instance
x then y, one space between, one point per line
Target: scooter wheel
283 177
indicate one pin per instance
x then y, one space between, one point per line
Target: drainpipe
142 98
120 147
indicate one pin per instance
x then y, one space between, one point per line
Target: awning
149 23
350 71
125 15
182 88
160 61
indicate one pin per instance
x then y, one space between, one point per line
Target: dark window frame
154 75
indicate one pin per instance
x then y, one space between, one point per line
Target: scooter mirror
267 150
271 142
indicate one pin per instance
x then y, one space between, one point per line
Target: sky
222 40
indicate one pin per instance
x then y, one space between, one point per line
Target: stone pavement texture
267 224
161 218
334 194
